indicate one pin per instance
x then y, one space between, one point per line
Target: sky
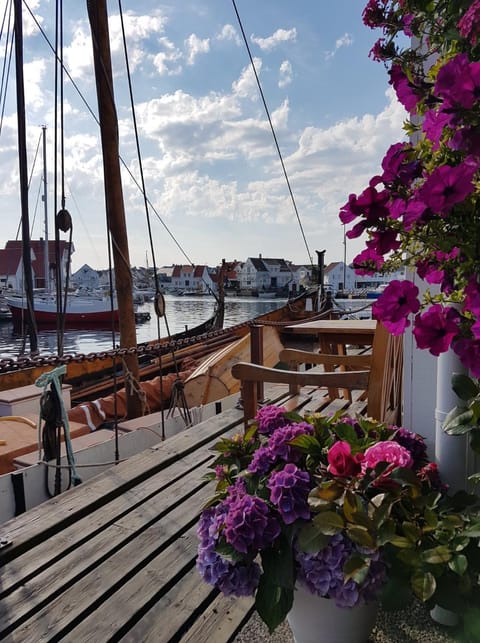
210 164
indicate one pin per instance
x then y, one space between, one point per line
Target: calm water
180 312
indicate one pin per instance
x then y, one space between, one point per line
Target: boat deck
114 559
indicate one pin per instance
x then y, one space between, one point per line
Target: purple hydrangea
289 489
278 447
240 578
322 573
249 523
270 418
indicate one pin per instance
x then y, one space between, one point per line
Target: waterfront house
260 275
193 280
11 264
86 278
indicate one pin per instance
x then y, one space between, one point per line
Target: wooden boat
79 312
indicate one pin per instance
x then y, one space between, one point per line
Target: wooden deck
114 559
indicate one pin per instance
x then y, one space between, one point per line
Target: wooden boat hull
80 312
95 372
213 380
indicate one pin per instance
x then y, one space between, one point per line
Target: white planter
313 619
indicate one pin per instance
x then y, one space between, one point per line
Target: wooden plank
52 565
43 521
152 561
173 611
220 621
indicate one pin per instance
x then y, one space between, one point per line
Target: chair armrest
247 372
292 355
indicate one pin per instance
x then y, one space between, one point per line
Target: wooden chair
378 376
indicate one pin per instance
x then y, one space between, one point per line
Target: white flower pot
313 619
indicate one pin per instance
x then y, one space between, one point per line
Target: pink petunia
389 451
436 328
395 304
446 186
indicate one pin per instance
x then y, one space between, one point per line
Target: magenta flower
434 123
368 262
398 300
468 350
384 241
397 166
390 452
472 296
469 24
447 186
436 328
406 92
341 461
458 82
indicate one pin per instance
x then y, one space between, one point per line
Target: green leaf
401 542
310 539
411 531
356 568
458 421
351 506
437 555
475 440
361 536
328 522
459 564
423 585
278 564
473 531
329 491
464 387
308 443
272 603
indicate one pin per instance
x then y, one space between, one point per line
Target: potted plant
347 510
421 209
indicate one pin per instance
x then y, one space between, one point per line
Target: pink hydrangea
389 451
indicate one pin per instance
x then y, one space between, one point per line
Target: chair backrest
382 380
384 393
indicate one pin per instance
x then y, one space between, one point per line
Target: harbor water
180 313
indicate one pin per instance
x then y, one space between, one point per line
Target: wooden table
336 332
334 335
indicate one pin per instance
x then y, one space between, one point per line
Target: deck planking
114 559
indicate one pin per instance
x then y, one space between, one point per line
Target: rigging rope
273 132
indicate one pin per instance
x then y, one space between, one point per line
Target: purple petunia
392 308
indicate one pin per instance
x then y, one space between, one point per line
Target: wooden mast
22 159
97 13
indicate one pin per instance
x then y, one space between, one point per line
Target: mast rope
280 156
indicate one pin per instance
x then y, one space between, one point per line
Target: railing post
256 353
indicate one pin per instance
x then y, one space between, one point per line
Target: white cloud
228 32
168 61
344 41
195 46
279 36
246 85
285 74
34 76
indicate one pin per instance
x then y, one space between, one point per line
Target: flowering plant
422 209
350 508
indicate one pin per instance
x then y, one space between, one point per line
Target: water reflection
181 312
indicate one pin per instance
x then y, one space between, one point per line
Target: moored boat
80 311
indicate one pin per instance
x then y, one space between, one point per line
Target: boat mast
45 210
23 173
97 13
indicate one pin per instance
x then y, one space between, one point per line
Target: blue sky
210 163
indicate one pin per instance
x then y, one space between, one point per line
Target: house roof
11 256
331 266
